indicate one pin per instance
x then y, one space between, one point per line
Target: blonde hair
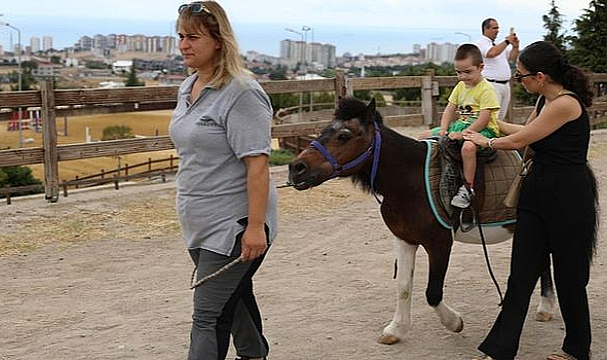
228 63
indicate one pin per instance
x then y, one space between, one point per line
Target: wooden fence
93 101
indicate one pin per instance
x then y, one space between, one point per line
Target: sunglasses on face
519 77
195 8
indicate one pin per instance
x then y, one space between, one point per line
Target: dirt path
104 275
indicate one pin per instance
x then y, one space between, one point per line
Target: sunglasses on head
195 8
519 77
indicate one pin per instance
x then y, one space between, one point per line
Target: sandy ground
104 275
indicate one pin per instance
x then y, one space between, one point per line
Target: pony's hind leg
401 323
545 309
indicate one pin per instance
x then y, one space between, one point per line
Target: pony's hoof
543 316
460 327
388 339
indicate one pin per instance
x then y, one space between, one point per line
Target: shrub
16 176
116 132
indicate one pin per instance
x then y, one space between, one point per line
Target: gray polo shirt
211 136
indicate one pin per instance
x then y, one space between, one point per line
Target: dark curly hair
542 56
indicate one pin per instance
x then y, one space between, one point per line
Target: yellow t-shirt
470 101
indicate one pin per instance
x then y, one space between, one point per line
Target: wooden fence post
49 139
340 86
429 110
7 192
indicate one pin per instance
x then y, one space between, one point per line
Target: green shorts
460 126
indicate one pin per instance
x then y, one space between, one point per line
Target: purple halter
373 149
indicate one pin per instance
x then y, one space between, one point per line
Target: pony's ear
371 104
371 109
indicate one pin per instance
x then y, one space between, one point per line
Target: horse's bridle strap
373 149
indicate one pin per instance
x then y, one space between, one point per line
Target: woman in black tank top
556 212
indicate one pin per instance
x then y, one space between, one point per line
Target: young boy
472 103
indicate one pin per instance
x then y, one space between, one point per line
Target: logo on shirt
206 121
466 113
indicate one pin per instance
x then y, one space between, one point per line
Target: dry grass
128 215
142 123
64 224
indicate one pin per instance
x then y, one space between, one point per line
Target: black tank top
568 145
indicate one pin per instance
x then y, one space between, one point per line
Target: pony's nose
298 167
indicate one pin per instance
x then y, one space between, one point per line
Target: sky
354 26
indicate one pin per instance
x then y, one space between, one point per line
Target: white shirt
496 68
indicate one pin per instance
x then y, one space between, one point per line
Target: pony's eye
344 136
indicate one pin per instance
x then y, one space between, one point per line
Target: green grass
281 157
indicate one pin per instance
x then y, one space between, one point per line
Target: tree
279 73
589 46
553 22
132 79
27 79
95 64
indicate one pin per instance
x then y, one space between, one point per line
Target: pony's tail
592 243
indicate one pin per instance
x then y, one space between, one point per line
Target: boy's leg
469 161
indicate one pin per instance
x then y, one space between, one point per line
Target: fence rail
116 179
92 101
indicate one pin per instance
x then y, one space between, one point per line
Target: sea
263 38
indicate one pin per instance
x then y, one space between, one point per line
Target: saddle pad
499 174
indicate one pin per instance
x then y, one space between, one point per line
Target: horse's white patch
401 323
450 318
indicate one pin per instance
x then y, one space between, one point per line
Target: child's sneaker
462 198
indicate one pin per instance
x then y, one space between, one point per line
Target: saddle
496 170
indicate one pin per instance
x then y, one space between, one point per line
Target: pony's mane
350 108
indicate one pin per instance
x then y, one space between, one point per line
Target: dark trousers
226 305
555 216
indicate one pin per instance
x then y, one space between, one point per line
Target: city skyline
385 26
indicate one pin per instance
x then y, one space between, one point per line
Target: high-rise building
85 43
126 43
35 44
47 43
440 53
294 53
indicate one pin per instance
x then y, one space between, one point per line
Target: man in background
496 57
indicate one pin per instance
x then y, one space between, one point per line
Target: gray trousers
226 305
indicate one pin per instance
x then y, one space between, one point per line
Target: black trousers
555 216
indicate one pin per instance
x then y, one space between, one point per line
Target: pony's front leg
401 323
439 260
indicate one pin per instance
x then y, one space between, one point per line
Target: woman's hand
475 137
455 136
253 243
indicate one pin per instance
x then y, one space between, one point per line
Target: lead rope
482 235
486 252
213 275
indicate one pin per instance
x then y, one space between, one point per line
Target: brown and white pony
357 144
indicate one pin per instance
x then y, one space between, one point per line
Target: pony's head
341 149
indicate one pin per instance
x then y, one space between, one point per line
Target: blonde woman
226 200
